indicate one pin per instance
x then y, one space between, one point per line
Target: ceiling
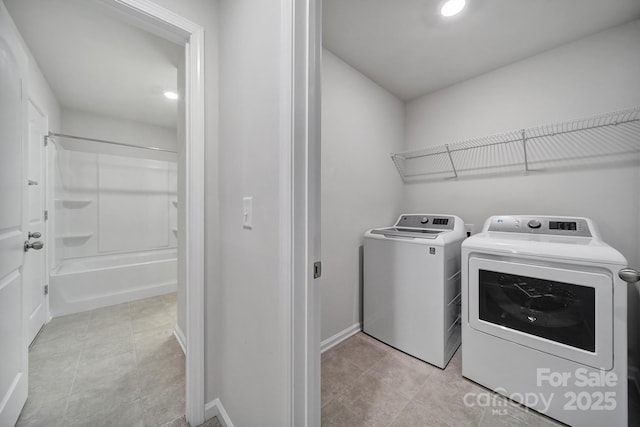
96 62
408 48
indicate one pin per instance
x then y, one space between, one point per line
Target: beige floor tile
43 412
399 390
130 415
337 414
147 307
178 422
88 368
371 340
96 352
152 336
416 415
112 310
337 375
170 299
73 319
403 375
372 400
103 321
52 378
360 351
102 398
158 375
163 406
55 331
155 321
114 365
110 334
505 412
66 345
165 349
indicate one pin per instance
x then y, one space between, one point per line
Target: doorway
188 37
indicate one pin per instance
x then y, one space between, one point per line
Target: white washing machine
544 317
411 291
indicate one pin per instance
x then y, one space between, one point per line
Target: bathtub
83 284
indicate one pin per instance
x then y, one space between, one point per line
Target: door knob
629 275
35 235
35 245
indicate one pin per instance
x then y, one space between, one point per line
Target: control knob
534 223
424 220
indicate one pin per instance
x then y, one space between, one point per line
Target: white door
13 332
35 262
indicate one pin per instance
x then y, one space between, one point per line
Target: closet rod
104 141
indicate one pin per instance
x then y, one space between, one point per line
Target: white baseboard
215 409
182 340
340 336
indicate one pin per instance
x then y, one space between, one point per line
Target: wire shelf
606 138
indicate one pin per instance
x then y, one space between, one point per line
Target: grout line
135 357
75 373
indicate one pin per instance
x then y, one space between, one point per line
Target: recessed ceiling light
452 7
171 95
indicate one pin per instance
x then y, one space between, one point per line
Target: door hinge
46 289
317 269
46 140
46 215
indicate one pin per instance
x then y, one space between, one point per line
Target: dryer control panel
554 226
438 222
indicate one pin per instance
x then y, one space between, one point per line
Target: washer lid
420 233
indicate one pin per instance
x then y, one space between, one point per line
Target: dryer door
564 312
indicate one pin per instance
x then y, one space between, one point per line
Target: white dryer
544 317
411 291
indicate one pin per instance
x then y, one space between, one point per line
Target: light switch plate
247 213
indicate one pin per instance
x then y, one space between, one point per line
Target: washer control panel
555 226
439 222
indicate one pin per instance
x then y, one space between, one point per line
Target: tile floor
366 383
114 366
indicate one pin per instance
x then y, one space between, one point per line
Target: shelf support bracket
451 160
524 149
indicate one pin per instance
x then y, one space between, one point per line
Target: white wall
361 189
248 360
86 124
41 94
593 75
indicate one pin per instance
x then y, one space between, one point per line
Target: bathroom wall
87 124
116 199
361 189
590 76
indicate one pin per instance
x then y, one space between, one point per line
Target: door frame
300 209
173 27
